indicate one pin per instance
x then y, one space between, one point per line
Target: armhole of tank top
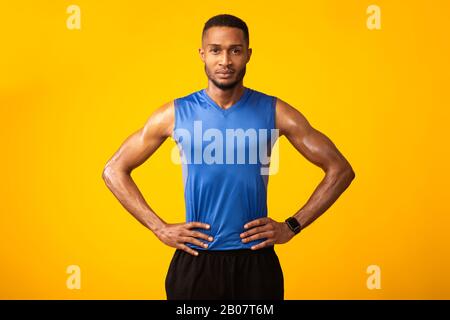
175 118
274 112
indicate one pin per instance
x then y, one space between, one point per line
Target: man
225 250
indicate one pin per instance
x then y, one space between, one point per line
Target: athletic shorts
240 274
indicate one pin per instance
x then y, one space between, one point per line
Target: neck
225 98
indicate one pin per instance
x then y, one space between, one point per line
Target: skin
225 49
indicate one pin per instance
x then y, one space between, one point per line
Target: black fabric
239 274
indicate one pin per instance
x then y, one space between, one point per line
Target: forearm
327 192
126 191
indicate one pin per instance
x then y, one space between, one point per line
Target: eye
236 50
214 50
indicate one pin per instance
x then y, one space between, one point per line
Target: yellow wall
68 98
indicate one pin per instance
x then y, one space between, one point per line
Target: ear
249 53
202 54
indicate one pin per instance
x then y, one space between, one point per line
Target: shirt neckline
230 109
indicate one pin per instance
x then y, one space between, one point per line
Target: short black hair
227 20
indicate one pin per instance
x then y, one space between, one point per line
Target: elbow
112 173
343 172
107 170
107 175
350 173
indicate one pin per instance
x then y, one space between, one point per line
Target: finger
200 235
194 241
261 235
256 222
254 231
187 249
196 224
263 244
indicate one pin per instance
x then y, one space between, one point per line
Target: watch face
293 224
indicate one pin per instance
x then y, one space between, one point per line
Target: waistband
232 252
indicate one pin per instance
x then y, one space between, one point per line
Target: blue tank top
225 155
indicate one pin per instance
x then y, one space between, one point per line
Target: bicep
315 146
140 145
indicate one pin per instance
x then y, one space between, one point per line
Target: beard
226 86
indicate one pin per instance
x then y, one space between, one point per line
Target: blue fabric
224 194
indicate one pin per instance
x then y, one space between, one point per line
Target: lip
224 75
225 72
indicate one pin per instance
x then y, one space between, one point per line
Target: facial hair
227 86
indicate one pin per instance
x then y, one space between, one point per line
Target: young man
225 134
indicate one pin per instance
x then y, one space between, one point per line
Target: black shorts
225 275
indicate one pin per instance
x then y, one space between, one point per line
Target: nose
225 59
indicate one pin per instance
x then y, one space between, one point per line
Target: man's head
225 50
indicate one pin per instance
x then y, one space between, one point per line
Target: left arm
321 151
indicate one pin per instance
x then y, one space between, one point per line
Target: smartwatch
293 224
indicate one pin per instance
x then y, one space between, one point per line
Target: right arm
134 151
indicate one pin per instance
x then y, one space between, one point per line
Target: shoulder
261 95
166 112
187 99
161 120
288 118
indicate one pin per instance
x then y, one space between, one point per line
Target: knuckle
185 248
192 240
205 236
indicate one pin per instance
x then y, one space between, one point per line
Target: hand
275 232
175 235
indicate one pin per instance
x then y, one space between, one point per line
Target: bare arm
320 150
134 151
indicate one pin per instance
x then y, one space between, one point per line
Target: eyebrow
218 45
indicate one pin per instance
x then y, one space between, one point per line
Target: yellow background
68 99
